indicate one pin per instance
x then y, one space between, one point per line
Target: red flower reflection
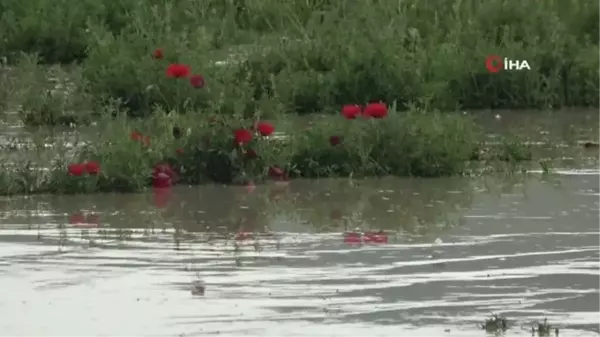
178 70
76 169
350 111
77 218
242 136
93 219
265 128
376 237
376 110
250 187
161 197
243 235
197 81
352 238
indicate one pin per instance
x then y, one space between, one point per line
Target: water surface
276 261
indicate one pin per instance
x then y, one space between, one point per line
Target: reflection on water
388 257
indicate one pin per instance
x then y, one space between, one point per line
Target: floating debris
198 288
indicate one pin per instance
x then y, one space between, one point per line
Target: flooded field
275 260
386 257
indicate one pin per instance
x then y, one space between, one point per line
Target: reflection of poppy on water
376 237
355 238
161 197
277 192
93 219
77 218
80 221
242 235
352 238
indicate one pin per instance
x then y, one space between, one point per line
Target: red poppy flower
265 128
242 235
250 187
161 197
350 111
158 54
178 70
93 219
376 110
138 137
161 180
275 172
79 221
179 151
352 238
135 136
242 136
76 218
335 140
92 168
376 237
163 176
76 169
197 81
250 154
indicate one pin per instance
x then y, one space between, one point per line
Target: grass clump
544 329
235 150
48 96
495 323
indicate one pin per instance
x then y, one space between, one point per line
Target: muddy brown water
276 260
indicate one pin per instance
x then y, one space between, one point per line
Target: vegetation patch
314 56
185 92
165 150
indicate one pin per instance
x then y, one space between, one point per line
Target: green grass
77 63
413 143
305 56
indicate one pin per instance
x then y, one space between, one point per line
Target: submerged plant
543 329
496 323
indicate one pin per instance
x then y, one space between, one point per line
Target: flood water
308 259
275 260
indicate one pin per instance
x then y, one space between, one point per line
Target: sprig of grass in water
545 165
495 323
543 329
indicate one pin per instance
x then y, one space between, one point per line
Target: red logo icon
494 63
